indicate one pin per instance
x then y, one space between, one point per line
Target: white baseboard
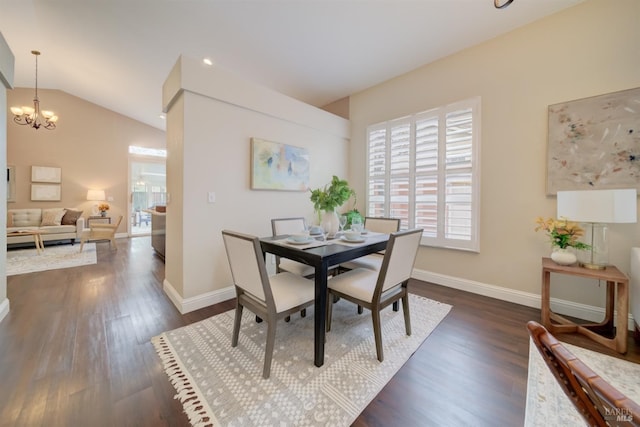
567 308
4 308
187 305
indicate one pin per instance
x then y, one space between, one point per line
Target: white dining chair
281 226
375 290
373 261
268 297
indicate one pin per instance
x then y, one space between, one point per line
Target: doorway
148 189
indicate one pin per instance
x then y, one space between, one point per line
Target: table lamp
97 196
597 208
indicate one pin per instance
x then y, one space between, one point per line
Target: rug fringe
186 393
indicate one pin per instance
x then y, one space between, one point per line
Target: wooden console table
611 332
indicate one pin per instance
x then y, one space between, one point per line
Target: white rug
547 405
221 385
21 261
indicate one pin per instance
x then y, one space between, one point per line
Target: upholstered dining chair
270 298
373 261
280 226
599 403
101 232
376 290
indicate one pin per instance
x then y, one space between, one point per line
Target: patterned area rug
21 261
221 385
547 405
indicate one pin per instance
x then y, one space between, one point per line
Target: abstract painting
594 143
276 166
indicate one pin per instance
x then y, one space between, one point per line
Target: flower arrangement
103 207
562 232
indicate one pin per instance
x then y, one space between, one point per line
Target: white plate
352 241
295 242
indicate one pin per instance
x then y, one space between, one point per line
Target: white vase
566 256
330 222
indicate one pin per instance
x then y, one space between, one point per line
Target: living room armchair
101 232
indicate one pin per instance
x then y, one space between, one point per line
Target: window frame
440 240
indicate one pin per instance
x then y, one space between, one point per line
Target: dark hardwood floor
75 351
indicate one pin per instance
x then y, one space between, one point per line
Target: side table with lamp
596 208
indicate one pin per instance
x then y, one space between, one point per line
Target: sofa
54 224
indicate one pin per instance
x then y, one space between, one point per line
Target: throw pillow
70 217
52 216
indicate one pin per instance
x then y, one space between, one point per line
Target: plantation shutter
377 171
423 168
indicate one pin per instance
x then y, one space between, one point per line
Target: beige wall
339 107
587 50
212 116
90 145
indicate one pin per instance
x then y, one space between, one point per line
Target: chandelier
497 4
32 115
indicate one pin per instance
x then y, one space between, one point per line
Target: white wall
6 81
587 50
211 117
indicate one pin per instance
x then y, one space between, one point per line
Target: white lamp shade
96 195
603 206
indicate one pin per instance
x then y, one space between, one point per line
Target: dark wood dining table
322 258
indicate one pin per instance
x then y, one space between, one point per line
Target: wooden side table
95 217
599 332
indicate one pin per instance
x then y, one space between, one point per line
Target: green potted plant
353 213
328 199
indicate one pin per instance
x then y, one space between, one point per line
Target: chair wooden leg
287 319
268 352
377 332
303 312
81 245
236 325
360 309
395 306
407 317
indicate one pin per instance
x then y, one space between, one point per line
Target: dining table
323 254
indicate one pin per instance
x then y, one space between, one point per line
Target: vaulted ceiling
117 53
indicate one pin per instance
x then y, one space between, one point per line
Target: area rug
23 261
223 386
547 405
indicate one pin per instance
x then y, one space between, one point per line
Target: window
424 168
144 151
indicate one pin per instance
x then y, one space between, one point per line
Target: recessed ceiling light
207 61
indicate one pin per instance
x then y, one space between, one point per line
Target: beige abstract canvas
594 143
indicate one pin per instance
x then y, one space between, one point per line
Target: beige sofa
54 224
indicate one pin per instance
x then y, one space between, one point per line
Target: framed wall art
276 166
46 174
45 192
594 143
